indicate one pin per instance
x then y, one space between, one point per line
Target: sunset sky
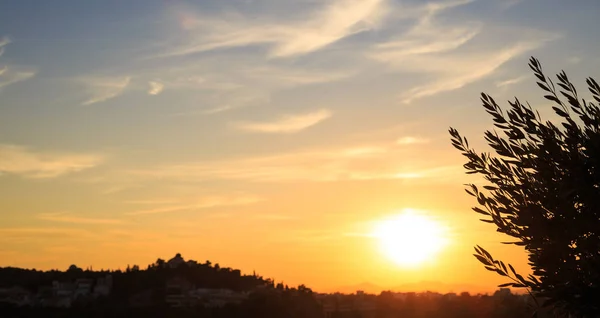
266 135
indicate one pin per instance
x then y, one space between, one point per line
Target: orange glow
410 239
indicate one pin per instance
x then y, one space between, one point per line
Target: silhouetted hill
182 289
173 288
204 275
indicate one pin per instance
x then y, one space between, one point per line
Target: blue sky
134 119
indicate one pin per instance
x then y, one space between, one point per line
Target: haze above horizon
265 135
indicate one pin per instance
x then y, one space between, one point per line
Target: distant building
431 295
62 294
83 287
103 286
502 293
337 304
176 261
178 292
451 295
16 296
63 289
218 297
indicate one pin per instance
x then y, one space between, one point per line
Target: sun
410 238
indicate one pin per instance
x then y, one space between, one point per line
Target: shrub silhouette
544 191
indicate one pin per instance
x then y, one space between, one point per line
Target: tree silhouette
543 191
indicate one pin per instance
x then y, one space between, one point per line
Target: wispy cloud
286 124
227 101
220 87
275 217
409 140
507 4
3 42
155 88
67 218
375 162
152 202
477 68
119 188
22 161
511 81
201 203
427 37
292 77
220 80
432 49
224 83
10 74
12 233
102 89
236 86
237 99
289 37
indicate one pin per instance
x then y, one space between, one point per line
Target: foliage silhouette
543 191
143 293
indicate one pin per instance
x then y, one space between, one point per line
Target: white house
83 287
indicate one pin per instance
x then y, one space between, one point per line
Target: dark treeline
133 279
261 297
267 303
273 303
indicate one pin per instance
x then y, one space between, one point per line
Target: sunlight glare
410 238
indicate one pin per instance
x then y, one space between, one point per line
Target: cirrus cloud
10 74
25 162
70 218
409 140
102 89
326 25
201 203
438 52
287 124
155 87
368 162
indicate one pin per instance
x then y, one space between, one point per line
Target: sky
265 135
